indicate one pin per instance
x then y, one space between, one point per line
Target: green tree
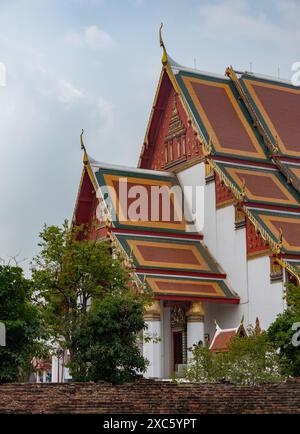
23 325
76 279
106 345
281 332
201 367
250 360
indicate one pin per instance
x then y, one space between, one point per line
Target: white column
166 342
152 350
195 326
54 370
57 369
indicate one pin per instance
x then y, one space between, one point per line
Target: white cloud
97 38
91 37
105 111
94 112
237 18
289 11
67 93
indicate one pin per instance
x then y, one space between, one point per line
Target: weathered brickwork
148 396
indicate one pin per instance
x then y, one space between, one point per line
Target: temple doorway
178 350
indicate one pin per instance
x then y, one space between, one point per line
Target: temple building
210 218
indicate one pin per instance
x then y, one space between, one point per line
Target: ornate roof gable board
116 245
167 63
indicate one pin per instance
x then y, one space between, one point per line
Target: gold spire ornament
257 329
85 155
164 58
81 139
229 71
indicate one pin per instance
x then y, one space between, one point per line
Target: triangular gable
170 141
86 209
86 195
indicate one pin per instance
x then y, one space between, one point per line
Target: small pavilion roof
222 337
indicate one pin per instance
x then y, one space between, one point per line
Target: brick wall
147 396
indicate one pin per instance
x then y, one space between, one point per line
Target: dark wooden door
177 344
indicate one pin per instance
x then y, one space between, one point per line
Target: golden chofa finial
164 58
217 325
81 139
257 328
229 71
85 155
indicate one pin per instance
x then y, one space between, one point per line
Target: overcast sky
94 64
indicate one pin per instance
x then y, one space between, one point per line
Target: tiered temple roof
246 128
249 132
166 254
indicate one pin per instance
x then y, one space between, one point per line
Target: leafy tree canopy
69 272
281 332
106 344
89 304
250 360
22 322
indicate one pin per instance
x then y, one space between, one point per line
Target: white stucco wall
195 334
166 343
265 298
210 218
249 278
152 351
192 182
57 364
